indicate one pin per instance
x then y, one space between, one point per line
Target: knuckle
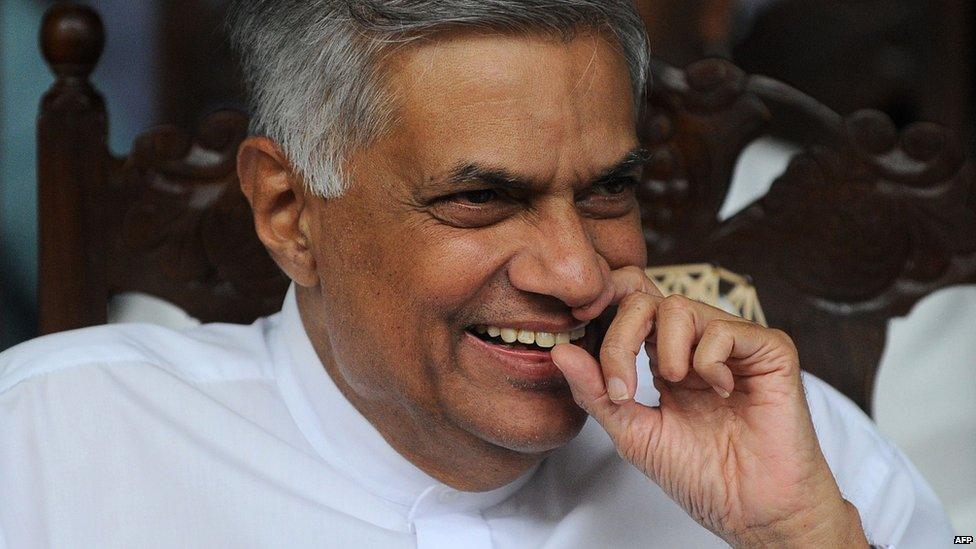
675 303
651 287
612 351
647 284
782 338
716 327
677 308
636 300
634 270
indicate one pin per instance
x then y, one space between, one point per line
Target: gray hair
312 66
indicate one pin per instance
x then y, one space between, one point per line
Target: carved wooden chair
864 223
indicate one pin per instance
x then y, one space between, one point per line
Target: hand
732 441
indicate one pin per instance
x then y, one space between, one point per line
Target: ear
278 200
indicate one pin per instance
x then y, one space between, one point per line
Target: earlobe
278 201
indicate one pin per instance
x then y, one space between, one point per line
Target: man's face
501 197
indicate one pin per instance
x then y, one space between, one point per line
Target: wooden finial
72 38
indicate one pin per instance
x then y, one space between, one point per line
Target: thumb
629 423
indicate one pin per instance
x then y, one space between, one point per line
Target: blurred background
167 62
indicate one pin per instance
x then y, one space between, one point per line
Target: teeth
542 339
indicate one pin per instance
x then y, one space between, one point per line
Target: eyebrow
500 177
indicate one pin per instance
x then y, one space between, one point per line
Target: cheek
452 269
620 241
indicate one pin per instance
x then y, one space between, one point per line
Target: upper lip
537 325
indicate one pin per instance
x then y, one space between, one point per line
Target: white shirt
235 436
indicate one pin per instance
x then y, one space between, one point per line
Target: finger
650 349
678 329
622 282
622 343
711 356
582 372
757 350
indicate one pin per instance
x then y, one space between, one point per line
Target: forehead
554 107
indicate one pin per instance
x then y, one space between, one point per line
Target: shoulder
205 353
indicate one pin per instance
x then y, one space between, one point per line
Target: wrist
837 524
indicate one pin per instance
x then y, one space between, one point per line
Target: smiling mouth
526 340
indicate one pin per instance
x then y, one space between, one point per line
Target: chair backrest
168 219
862 225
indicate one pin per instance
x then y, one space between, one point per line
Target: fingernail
721 392
617 389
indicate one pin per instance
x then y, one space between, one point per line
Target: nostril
592 284
572 273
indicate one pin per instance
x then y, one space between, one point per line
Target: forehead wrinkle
583 74
408 67
601 65
406 59
499 75
562 117
488 102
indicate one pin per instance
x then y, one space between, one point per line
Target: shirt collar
347 441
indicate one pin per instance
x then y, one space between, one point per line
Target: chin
531 422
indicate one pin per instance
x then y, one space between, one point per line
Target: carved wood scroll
184 230
169 219
863 224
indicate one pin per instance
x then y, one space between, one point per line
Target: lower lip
523 363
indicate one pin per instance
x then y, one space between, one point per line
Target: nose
559 260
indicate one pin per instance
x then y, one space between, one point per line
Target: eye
616 186
480 196
611 198
474 208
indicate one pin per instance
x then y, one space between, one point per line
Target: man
450 187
